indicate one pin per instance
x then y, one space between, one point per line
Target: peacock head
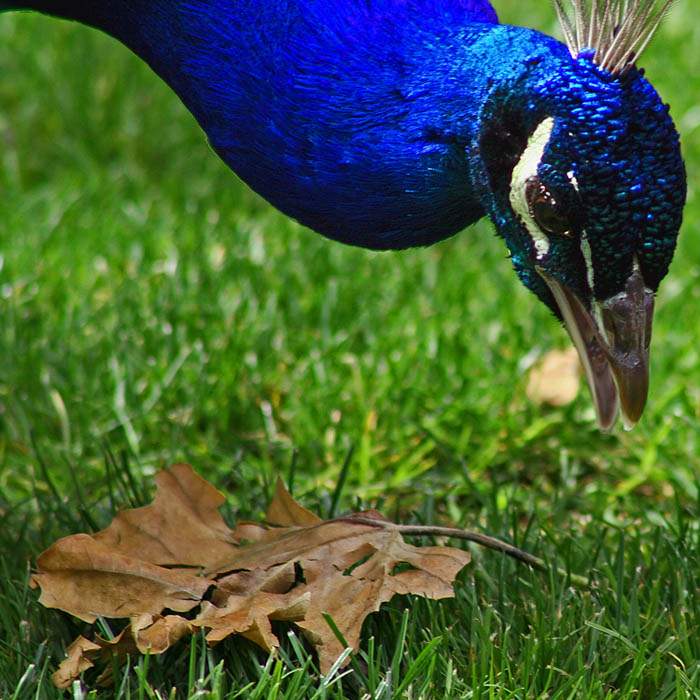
587 186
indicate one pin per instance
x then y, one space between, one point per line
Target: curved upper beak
613 344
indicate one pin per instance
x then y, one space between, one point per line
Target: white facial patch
585 243
523 171
588 259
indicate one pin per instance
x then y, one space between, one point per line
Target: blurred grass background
153 309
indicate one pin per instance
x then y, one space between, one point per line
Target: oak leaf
172 554
79 658
82 576
145 634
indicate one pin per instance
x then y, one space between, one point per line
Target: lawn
153 310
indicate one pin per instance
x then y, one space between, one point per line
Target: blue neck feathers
358 119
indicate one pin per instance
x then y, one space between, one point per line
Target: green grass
153 309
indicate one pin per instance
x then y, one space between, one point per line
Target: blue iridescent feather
396 123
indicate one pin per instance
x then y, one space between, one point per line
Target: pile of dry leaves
177 556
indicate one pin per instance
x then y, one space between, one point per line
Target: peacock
388 124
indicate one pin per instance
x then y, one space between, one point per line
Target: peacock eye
545 211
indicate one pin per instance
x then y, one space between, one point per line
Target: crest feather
617 30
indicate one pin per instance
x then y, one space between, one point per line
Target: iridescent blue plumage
396 123
614 135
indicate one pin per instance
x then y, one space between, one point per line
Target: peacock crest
617 30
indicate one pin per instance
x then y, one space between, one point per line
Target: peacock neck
363 127
130 21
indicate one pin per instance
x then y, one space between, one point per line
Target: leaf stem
476 537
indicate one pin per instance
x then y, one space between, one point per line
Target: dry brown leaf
79 658
251 615
155 633
555 378
284 510
348 597
346 570
80 575
182 527
145 634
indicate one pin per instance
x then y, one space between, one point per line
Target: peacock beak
615 357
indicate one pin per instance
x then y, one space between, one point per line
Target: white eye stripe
525 169
585 243
588 259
